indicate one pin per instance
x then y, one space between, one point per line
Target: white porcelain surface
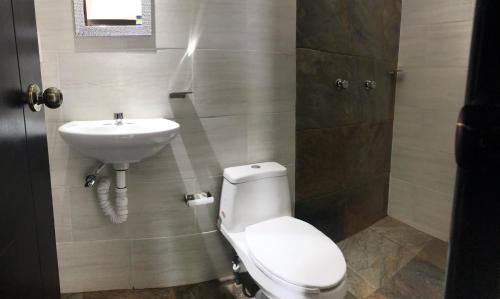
252 202
274 287
275 244
262 196
254 172
109 142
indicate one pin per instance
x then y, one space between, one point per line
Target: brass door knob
51 97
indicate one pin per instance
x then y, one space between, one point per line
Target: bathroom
330 122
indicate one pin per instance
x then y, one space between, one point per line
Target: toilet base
260 295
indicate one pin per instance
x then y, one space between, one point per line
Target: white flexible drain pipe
118 213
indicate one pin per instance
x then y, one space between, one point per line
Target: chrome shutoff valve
370 84
342 84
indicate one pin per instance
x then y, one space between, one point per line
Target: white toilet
288 258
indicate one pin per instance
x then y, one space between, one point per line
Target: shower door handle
51 97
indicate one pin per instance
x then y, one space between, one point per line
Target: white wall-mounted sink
119 141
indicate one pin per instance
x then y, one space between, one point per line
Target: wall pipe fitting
91 178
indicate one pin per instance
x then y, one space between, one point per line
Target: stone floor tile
357 285
164 293
401 233
419 279
374 257
206 290
389 260
350 296
435 252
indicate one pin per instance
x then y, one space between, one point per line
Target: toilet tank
253 193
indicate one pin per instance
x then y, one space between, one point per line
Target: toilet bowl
286 257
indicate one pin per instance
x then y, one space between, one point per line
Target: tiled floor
206 290
389 260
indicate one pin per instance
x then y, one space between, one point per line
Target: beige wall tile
425 209
412 48
243 72
70 171
86 266
419 12
203 148
449 44
220 24
437 88
61 204
220 83
401 201
55 34
49 64
175 23
158 210
88 221
425 129
453 11
291 183
155 211
433 212
435 42
227 83
170 261
226 138
432 169
271 25
136 83
270 138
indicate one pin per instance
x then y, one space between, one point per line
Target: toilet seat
295 252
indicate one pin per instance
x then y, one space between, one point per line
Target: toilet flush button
255 166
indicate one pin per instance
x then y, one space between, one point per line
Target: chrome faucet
118 118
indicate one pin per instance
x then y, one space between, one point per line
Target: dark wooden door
474 254
28 260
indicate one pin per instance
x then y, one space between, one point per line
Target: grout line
131 265
421 186
142 239
421 149
362 278
397 243
349 55
359 124
76 51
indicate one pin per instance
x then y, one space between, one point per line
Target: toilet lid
295 252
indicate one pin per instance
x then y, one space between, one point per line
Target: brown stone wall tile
320 104
329 160
346 212
324 25
343 140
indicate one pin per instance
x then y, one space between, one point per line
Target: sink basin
131 141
